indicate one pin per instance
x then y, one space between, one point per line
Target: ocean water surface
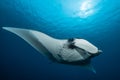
97 21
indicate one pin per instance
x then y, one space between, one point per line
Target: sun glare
86 9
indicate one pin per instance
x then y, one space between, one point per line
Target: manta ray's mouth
82 51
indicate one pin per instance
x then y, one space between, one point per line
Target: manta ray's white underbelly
62 53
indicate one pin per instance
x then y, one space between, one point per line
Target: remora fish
67 51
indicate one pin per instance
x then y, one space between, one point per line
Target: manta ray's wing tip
6 28
94 71
11 29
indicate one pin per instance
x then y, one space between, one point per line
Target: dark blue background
57 18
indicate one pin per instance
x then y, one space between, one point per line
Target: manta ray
73 51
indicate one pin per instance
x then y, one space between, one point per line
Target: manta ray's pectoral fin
32 37
89 66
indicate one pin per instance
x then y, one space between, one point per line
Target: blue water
98 21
